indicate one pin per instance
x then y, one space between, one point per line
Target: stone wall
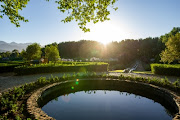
34 109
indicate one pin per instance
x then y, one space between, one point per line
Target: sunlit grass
119 71
139 72
143 72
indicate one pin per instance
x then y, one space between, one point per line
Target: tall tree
52 53
173 32
7 54
33 51
23 54
82 11
15 53
172 51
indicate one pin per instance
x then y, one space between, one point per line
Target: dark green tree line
130 49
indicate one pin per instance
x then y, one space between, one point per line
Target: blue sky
134 19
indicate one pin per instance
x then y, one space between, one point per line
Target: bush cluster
25 70
166 69
7 67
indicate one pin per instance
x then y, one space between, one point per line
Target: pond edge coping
34 109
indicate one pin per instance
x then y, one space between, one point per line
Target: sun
105 32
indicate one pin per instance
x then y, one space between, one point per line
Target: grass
8 67
13 102
62 67
6 64
67 64
139 72
166 69
117 71
143 72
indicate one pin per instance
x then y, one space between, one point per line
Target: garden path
9 80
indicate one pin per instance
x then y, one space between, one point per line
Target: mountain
4 46
2 50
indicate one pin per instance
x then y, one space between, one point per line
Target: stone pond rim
172 98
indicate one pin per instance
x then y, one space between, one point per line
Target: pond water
105 105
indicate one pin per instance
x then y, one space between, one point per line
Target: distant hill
2 50
4 46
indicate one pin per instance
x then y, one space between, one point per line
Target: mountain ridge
4 46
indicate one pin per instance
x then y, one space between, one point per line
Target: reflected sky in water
104 105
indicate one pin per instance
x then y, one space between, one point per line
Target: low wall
163 96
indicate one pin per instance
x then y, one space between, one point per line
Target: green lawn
120 71
139 72
143 72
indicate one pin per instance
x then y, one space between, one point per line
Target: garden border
34 110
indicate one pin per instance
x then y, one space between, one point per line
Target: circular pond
106 100
105 105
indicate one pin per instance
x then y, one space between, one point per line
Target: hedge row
166 69
8 68
23 70
69 62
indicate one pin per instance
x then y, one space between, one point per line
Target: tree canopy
11 8
15 53
172 51
173 32
52 53
33 51
23 54
82 11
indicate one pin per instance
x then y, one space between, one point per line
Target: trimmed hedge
24 70
8 68
166 69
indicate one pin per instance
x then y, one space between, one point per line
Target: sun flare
105 32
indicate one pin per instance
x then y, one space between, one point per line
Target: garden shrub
25 70
7 68
166 69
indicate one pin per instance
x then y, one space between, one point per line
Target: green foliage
81 49
41 80
9 102
23 54
82 11
172 51
126 50
166 69
11 8
176 83
15 53
6 54
52 53
13 56
33 51
7 67
51 68
18 118
173 32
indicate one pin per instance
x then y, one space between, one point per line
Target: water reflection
105 105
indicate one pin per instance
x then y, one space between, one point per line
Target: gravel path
170 78
9 80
